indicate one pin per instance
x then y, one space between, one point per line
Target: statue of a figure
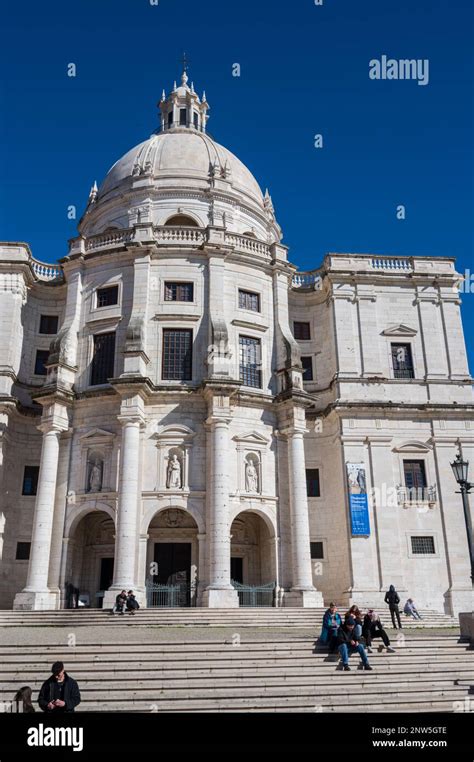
95 476
251 477
173 480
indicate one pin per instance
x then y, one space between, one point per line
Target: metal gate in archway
255 596
180 595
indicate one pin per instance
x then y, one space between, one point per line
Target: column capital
131 418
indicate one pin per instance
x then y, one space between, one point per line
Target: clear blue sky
304 70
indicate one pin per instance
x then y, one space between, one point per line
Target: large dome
185 154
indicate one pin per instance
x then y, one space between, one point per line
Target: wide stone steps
428 673
243 617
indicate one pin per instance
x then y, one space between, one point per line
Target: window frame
22 542
313 468
46 355
35 481
310 368
300 323
407 344
178 284
259 371
173 329
48 317
248 293
108 287
94 336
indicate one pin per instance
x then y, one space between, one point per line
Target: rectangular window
103 359
312 482
30 480
170 118
317 551
41 358
250 362
249 301
107 296
177 354
301 331
22 551
182 116
415 474
402 361
195 117
307 363
179 292
48 324
422 546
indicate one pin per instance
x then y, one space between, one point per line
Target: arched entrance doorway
172 560
90 561
253 567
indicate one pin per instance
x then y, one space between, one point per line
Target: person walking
410 609
373 628
23 700
393 599
348 644
331 623
60 692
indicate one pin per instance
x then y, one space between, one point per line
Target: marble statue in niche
251 476
94 482
173 474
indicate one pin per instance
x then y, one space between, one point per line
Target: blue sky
304 70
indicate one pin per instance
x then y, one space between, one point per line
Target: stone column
59 515
303 592
219 593
36 594
126 534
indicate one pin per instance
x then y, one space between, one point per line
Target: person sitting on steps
373 628
348 644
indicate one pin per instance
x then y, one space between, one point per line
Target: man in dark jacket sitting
60 693
348 644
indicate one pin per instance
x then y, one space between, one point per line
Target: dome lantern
183 108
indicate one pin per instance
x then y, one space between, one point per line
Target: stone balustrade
46 272
111 239
179 235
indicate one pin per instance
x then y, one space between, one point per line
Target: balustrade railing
46 272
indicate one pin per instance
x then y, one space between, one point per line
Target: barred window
103 360
107 296
40 360
307 363
312 482
30 480
48 324
177 354
317 550
22 551
179 292
250 362
301 331
402 361
248 300
422 545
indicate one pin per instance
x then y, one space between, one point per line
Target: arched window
249 234
181 220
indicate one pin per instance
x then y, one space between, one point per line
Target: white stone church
185 414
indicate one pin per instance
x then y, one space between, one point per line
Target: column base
308 599
43 600
215 598
457 601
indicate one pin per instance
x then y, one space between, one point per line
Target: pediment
173 432
252 437
399 330
413 447
97 435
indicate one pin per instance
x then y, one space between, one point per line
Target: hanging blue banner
358 502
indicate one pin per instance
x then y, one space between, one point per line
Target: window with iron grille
177 354
402 361
317 550
48 324
250 362
301 331
107 296
41 358
422 545
307 363
249 301
30 480
103 359
312 482
22 551
179 292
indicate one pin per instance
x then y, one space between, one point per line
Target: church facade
185 414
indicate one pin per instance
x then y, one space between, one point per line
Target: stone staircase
237 670
195 617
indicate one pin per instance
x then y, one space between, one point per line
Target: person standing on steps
393 599
348 644
60 693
